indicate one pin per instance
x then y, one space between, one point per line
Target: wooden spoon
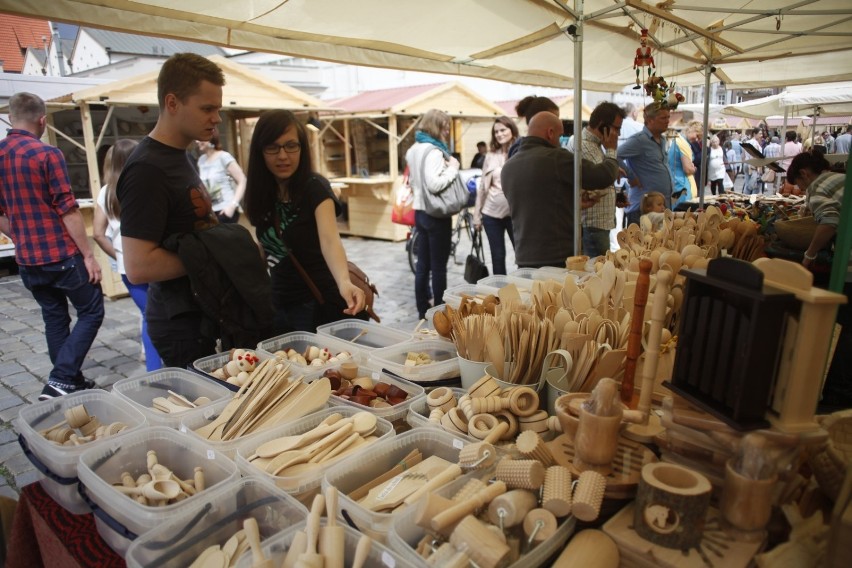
274 447
292 457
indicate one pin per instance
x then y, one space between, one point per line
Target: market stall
83 121
363 145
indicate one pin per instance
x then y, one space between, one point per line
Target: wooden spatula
274 447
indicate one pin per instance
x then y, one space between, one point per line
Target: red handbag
403 201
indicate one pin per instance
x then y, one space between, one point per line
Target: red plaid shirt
34 194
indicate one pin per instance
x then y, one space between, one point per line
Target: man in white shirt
844 141
630 126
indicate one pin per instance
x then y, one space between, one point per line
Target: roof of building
453 98
16 35
133 44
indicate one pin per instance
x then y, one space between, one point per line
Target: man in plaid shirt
599 219
39 212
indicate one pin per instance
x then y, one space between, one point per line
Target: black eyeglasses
290 147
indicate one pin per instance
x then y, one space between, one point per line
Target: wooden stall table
45 534
369 202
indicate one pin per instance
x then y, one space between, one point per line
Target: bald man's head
546 125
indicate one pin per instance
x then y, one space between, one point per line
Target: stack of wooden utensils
177 403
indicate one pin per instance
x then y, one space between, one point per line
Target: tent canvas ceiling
832 100
244 90
752 43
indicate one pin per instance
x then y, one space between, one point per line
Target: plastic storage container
453 296
213 520
141 391
444 365
301 340
367 335
405 534
276 549
118 518
206 366
210 413
355 471
392 413
304 486
58 463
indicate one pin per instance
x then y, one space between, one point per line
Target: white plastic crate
444 365
405 534
301 340
141 391
355 471
213 520
303 486
367 335
453 296
119 518
57 463
276 548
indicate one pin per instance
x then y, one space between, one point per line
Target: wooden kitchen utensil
362 551
444 521
252 532
634 341
484 547
509 509
332 536
311 558
556 492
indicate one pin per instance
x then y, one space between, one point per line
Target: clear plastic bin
120 519
453 296
57 463
303 487
301 340
392 413
444 365
215 519
355 471
500 280
141 391
193 422
276 548
427 330
374 336
206 366
405 534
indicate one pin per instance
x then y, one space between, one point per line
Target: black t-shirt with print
160 195
299 228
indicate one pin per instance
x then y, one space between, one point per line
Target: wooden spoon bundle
176 403
225 555
268 397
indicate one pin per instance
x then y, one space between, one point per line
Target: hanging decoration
643 61
662 93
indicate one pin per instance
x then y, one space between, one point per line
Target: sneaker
54 388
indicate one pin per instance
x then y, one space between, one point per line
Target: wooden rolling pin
634 338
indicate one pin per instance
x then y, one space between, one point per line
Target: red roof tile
380 99
16 35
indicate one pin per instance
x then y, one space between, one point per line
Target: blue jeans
139 294
494 229
595 241
433 253
295 317
631 217
53 286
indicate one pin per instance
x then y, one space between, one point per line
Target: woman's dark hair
530 106
215 141
813 161
114 161
791 136
261 185
508 123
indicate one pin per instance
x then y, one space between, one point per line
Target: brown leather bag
356 275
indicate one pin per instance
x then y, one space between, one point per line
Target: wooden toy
531 446
520 474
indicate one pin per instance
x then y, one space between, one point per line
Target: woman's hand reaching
355 299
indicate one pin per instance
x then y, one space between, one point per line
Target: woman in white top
225 180
716 166
106 229
492 210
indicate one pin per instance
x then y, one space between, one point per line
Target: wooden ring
523 401
511 420
77 416
481 424
449 424
485 386
442 398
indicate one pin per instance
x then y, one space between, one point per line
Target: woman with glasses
431 167
294 212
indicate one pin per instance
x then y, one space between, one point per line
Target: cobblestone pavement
116 352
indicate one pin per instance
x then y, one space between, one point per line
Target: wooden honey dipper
521 474
531 446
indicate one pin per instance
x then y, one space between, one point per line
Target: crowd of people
169 221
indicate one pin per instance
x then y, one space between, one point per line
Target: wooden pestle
252 532
331 536
297 548
445 520
634 338
311 558
199 479
362 551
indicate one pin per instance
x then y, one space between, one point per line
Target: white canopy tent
833 99
746 43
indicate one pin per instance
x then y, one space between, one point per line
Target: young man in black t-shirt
161 194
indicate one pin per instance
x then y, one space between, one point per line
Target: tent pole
578 125
702 183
